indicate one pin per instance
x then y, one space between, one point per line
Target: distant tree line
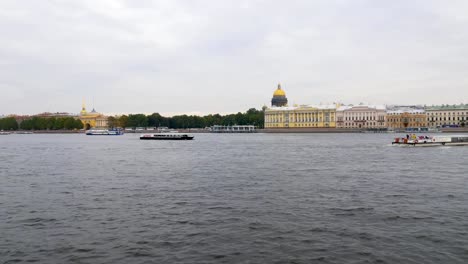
251 117
51 123
41 123
8 123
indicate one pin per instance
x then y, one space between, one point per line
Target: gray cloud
227 56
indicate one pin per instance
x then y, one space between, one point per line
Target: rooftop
302 107
357 107
407 110
447 107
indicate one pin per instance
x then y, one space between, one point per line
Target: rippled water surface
258 198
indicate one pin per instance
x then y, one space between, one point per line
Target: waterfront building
406 119
279 115
92 119
447 115
361 117
279 98
304 116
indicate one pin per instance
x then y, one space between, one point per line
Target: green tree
50 122
123 121
78 124
69 123
8 123
59 124
156 120
112 122
39 123
137 120
26 124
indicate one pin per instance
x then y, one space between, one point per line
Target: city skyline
177 57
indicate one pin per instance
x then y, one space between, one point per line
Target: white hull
104 132
432 144
166 136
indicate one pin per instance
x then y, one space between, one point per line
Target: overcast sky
227 56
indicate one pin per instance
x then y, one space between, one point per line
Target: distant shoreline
267 131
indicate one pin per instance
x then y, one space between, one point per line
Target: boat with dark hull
104 132
166 136
426 141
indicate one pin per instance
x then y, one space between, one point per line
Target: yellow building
304 116
406 119
301 116
92 119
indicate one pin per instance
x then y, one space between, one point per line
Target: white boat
104 132
4 133
166 136
428 141
24 132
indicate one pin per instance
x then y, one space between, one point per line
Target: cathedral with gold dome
92 119
280 115
279 97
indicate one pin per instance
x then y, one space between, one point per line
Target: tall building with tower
280 115
92 119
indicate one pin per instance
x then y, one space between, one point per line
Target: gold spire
83 108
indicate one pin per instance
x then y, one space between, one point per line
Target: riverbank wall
315 130
452 130
49 131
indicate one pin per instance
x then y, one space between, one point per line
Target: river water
231 198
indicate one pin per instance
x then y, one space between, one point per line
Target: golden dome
279 92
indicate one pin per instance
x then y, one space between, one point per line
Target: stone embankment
62 131
454 130
269 130
314 130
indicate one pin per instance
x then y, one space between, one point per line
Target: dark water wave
318 198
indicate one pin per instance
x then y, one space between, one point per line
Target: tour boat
104 132
166 136
4 133
427 141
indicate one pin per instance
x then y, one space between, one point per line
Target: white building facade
361 117
443 116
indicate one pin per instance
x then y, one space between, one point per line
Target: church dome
279 92
279 97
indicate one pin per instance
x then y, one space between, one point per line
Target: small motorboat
428 141
166 136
